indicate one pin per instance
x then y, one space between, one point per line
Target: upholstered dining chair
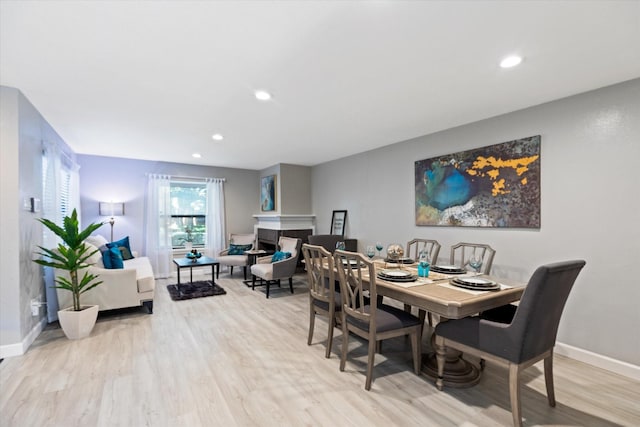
281 265
323 298
462 252
413 249
375 322
516 335
327 241
416 246
234 255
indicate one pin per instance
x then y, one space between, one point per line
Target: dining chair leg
330 333
253 282
415 347
291 284
548 379
245 272
312 321
440 354
514 393
268 286
345 343
370 359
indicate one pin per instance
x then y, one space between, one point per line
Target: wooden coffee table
200 262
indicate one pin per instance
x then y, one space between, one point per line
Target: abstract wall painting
493 186
268 193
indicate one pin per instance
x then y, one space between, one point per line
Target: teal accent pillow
112 259
239 249
279 256
123 246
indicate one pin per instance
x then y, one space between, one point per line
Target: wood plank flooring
242 360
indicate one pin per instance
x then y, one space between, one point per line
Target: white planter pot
78 324
188 246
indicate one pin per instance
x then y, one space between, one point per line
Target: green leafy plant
70 256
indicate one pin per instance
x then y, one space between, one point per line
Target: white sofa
129 287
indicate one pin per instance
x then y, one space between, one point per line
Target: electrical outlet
35 307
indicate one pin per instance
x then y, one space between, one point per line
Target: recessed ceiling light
510 61
262 95
196 155
217 137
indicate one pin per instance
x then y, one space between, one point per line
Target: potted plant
71 256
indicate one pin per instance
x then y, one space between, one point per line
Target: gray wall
295 189
590 151
22 132
124 180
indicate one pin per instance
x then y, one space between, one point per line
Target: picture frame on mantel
338 222
268 193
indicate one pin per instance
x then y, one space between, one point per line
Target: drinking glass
340 245
379 247
371 252
424 264
475 261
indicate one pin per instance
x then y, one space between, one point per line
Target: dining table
438 295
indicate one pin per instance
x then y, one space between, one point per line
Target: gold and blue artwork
493 186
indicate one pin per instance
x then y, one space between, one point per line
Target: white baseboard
20 348
617 366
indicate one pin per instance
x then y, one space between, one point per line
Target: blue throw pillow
123 246
112 259
239 249
279 256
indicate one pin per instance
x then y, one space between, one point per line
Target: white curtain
215 216
158 238
61 194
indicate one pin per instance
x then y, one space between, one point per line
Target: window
188 213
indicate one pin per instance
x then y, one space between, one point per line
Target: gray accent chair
237 260
461 252
375 322
516 335
323 298
271 272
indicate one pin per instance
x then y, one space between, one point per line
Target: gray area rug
192 290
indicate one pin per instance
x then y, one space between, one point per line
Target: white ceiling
154 80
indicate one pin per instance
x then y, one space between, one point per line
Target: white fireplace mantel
285 222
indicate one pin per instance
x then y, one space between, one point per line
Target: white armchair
271 272
234 255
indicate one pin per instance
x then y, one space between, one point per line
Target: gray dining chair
416 246
461 253
413 249
323 298
373 322
516 335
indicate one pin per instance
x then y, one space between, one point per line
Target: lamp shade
111 209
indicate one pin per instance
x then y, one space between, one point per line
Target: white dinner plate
395 273
477 281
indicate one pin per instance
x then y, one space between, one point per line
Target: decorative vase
78 324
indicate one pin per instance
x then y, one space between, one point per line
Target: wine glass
340 245
371 252
379 247
475 261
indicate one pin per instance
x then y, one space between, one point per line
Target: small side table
252 257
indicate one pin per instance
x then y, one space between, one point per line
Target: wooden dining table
437 295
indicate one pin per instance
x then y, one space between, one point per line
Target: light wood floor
242 360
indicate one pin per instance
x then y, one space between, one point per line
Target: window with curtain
188 214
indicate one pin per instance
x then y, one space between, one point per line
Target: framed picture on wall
268 193
338 221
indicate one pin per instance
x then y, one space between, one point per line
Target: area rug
192 290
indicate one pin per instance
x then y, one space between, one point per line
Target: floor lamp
112 209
